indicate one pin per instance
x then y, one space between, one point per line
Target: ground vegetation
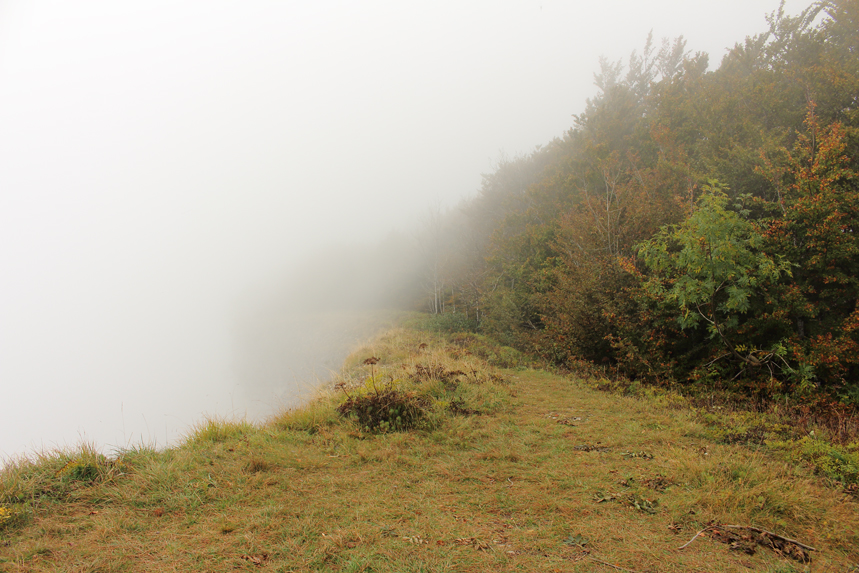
694 228
510 468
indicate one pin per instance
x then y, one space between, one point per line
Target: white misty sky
159 158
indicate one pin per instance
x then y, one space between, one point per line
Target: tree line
691 227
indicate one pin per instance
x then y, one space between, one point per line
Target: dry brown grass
552 476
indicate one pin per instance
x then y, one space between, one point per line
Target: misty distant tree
432 252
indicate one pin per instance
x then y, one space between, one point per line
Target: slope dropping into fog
125 370
294 333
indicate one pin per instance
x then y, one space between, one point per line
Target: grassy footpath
507 470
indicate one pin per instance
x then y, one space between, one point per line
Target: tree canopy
692 226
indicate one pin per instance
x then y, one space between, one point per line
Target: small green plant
80 469
88 465
381 408
11 516
388 410
850 393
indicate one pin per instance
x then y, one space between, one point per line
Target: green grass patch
836 462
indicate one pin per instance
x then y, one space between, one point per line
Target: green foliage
389 408
448 322
813 226
712 271
12 516
748 285
745 427
840 463
80 470
710 266
849 394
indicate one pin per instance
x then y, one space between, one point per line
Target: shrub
388 410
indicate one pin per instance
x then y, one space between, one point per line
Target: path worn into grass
564 479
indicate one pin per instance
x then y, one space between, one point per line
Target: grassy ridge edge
530 471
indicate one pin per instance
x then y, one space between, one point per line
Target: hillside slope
513 470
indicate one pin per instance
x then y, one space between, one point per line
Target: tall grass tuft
319 413
218 430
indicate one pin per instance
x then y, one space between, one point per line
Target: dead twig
750 528
372 361
685 545
771 534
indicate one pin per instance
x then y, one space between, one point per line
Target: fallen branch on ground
765 535
771 534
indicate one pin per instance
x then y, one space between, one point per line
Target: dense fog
193 195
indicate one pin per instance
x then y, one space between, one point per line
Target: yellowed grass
554 476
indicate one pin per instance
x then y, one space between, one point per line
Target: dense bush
389 410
